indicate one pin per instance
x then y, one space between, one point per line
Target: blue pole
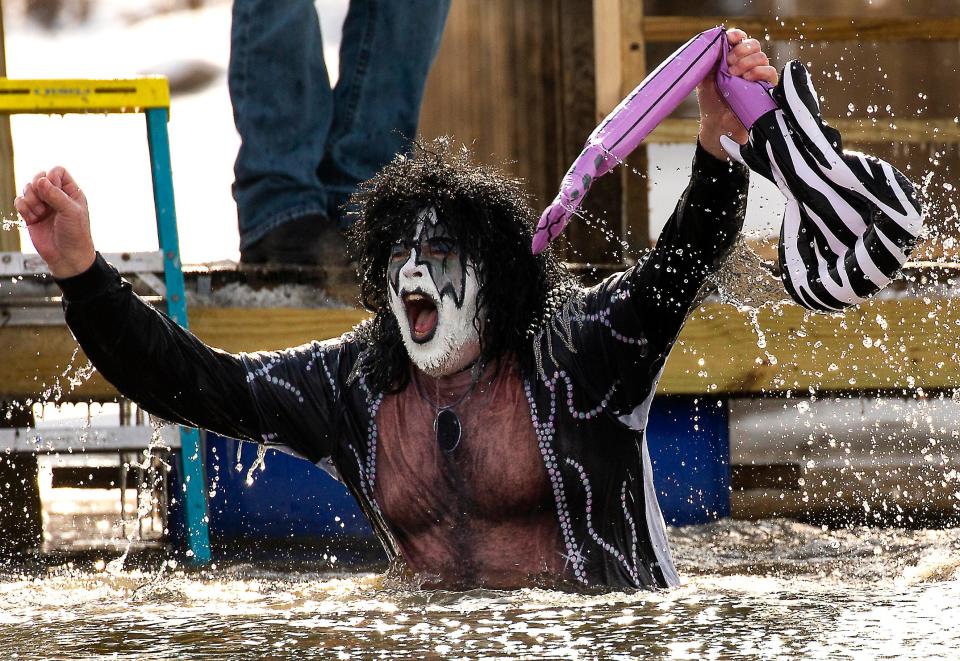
191 452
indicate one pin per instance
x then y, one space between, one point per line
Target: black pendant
447 426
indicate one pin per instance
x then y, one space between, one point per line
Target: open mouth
421 316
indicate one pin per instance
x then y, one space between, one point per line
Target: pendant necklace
446 423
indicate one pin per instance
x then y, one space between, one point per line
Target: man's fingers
30 213
55 175
24 210
749 62
62 179
30 195
54 196
735 36
54 189
65 176
33 201
742 50
765 73
73 191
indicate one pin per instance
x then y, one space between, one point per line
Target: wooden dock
901 343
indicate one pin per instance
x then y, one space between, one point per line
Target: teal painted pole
191 452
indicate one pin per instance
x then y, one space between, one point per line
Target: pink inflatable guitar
637 115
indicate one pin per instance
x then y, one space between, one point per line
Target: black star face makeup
433 294
435 250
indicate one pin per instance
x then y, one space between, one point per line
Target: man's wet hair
489 215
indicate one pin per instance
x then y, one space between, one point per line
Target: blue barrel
689 443
291 503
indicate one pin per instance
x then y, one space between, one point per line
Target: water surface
772 589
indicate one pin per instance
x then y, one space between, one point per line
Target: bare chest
495 473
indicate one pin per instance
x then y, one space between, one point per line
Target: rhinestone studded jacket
597 360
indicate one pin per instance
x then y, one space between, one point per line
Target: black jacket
598 363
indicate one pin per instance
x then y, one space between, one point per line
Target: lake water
769 589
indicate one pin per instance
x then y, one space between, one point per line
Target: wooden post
9 239
494 85
20 506
636 188
607 57
620 63
578 75
517 81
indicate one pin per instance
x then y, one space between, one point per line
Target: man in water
490 417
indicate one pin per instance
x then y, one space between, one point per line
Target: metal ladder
150 96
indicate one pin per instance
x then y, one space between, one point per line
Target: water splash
747 281
154 467
259 463
11 224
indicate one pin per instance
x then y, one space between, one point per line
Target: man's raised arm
643 309
709 215
147 356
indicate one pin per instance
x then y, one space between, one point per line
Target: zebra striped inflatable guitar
851 219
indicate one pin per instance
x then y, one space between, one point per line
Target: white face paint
433 295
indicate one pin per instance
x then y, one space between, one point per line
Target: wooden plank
636 189
619 67
516 81
809 28
267 329
9 237
39 362
883 345
90 477
607 55
864 131
633 45
577 73
49 314
495 86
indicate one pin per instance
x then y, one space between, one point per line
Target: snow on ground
108 154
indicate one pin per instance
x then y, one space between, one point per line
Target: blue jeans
304 146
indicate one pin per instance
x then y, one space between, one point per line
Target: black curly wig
489 215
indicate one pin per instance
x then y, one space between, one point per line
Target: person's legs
282 106
385 55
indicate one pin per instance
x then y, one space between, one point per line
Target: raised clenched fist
55 210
